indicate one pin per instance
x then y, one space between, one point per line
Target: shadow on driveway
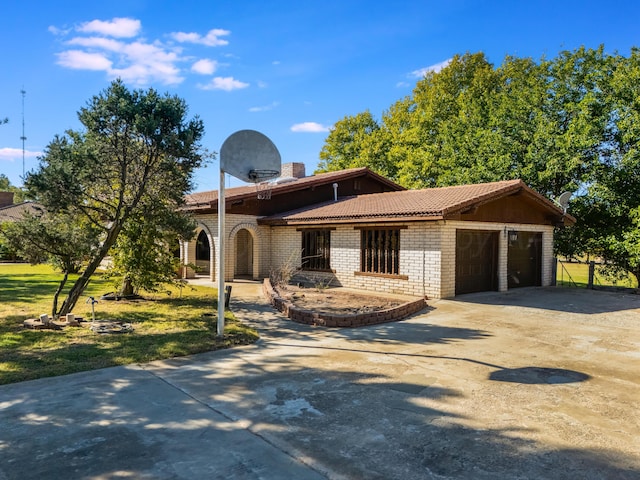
571 300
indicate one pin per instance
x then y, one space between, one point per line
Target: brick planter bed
309 317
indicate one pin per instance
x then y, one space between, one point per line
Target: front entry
476 261
244 254
524 259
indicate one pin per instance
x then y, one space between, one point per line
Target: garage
524 259
476 261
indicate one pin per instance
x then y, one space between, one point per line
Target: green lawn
167 324
578 274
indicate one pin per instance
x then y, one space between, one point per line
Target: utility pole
23 138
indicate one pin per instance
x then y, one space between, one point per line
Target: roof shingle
17 211
432 203
207 198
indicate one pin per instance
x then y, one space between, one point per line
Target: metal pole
221 235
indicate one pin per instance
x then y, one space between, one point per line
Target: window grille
380 251
316 249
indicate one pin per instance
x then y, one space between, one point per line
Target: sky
288 69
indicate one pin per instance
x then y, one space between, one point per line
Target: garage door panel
476 261
524 260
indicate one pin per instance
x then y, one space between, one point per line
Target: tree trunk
55 297
78 288
126 289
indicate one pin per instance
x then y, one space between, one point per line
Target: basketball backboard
250 156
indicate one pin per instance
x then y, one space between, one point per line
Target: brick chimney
6 198
294 169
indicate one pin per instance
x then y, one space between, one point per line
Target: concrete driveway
535 383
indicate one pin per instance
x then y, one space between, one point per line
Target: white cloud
147 54
12 154
204 66
211 39
265 108
58 31
420 73
118 27
138 62
80 60
311 127
141 74
98 43
223 83
115 48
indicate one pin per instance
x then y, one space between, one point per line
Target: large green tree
137 149
352 143
471 122
609 209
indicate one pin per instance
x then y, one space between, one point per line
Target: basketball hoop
263 187
264 190
262 175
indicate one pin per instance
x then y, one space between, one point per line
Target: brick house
358 229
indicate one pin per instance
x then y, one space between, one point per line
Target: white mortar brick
427 255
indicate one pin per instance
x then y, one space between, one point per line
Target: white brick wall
427 256
420 253
286 247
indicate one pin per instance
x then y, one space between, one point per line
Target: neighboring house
376 235
12 212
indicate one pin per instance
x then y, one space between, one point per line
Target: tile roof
432 204
206 199
16 212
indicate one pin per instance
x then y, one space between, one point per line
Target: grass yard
165 325
578 274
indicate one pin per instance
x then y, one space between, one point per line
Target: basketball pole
221 235
242 154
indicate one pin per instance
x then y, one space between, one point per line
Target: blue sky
289 69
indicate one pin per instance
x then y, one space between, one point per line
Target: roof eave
349 220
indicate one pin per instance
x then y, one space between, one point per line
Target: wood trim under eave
334 221
524 191
387 226
315 229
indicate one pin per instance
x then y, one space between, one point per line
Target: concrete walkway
536 383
